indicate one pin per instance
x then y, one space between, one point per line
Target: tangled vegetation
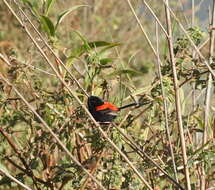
42 91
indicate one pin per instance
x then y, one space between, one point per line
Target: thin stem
13 145
73 93
182 10
177 96
193 13
165 107
190 40
28 65
155 17
141 27
5 60
209 85
193 56
208 96
14 179
143 155
51 132
51 50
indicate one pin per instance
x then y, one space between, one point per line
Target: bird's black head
102 115
94 101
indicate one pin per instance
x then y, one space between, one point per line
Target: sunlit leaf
49 6
100 44
109 47
47 25
125 71
82 48
200 122
105 61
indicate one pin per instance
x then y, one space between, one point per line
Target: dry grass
120 51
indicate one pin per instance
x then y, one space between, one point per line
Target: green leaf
33 7
198 151
5 180
125 71
199 121
65 13
99 44
49 5
34 163
90 45
83 40
105 61
109 47
47 25
76 53
81 49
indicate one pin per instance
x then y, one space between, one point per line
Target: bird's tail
128 105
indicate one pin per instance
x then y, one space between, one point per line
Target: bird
104 111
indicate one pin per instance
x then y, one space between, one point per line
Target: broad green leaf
49 6
47 25
125 71
66 12
99 44
109 47
104 61
87 46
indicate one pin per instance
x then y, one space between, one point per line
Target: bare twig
193 56
155 17
82 105
26 172
5 60
27 169
190 40
165 107
28 65
177 96
193 13
51 132
51 50
14 179
208 96
141 27
93 170
144 155
209 86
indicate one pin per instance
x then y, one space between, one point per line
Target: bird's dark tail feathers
128 105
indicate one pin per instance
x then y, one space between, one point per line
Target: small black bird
104 111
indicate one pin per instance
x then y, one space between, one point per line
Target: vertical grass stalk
208 96
165 107
177 96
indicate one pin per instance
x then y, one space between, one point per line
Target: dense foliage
105 57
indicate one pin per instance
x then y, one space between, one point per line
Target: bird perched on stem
104 111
